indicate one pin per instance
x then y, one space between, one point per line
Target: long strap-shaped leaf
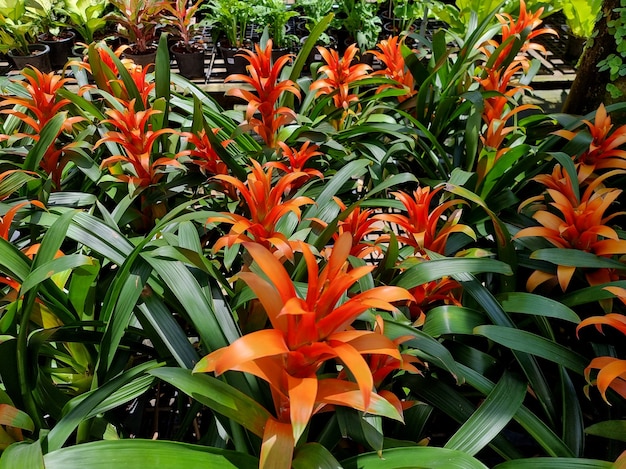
218 396
86 404
491 417
536 428
142 454
23 455
48 249
416 456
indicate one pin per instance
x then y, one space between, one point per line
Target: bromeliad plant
343 280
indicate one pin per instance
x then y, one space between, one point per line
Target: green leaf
425 346
535 427
12 261
491 417
314 456
537 305
162 71
47 137
533 344
86 405
218 396
575 258
23 455
296 72
356 427
555 463
142 454
187 290
413 457
452 320
13 417
47 270
119 303
353 169
169 331
428 271
613 429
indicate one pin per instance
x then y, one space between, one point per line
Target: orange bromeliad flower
421 225
266 207
395 69
603 151
42 103
264 78
203 153
5 233
307 332
525 24
612 370
297 159
340 75
360 224
137 139
579 226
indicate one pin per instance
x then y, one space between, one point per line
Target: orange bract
579 226
307 332
612 371
266 205
42 104
203 154
264 78
297 159
525 24
603 151
135 136
340 74
395 69
421 225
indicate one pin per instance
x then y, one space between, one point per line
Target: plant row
360 268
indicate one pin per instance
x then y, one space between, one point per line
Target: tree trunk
589 87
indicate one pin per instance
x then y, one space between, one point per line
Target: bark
589 87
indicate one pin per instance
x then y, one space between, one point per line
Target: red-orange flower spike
340 75
421 225
297 159
42 104
266 205
43 100
603 151
579 226
612 371
264 76
360 224
526 23
395 69
307 332
203 154
135 136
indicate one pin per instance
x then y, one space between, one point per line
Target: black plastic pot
39 58
234 63
60 49
190 64
142 59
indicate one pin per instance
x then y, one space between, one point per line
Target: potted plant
359 19
274 15
138 21
53 31
314 12
229 21
86 17
18 36
181 22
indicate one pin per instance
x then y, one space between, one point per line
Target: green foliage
397 281
85 16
